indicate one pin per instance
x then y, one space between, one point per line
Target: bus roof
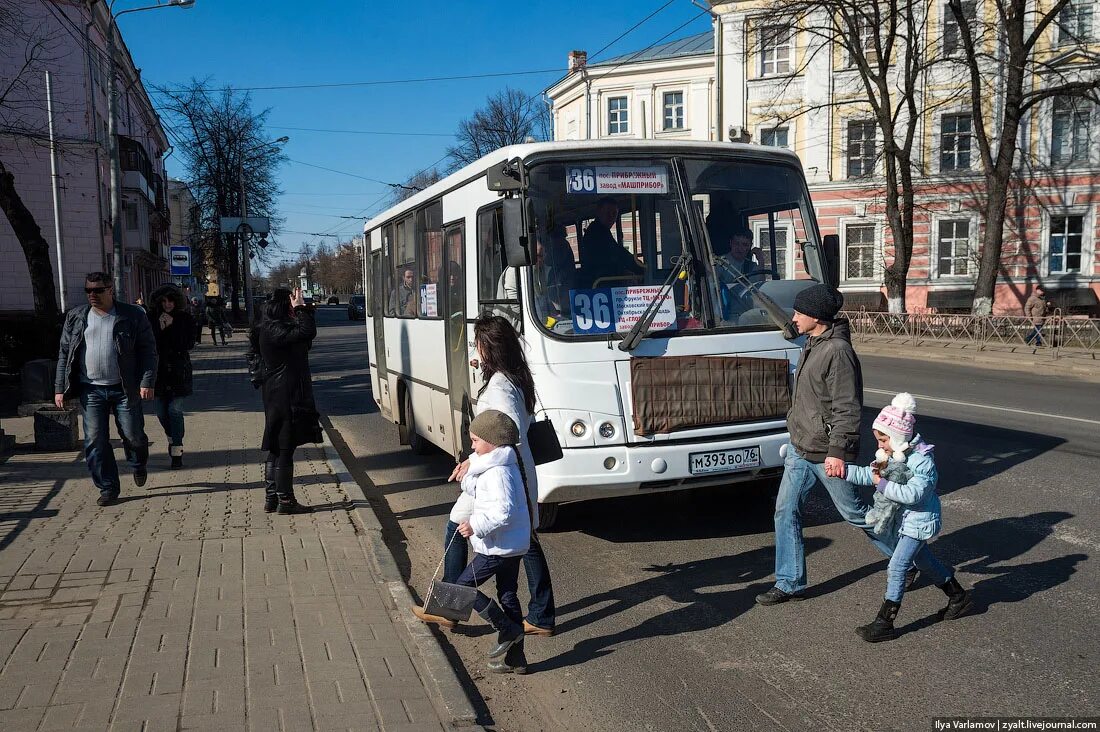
649 147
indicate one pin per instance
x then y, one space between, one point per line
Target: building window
781 237
859 246
674 110
1075 22
955 132
775 50
1066 244
861 149
618 116
1069 142
775 137
953 248
952 36
130 215
865 37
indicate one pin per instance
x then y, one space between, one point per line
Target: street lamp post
112 138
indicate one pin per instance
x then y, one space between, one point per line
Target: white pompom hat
898 420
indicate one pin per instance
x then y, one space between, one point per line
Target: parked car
357 307
333 300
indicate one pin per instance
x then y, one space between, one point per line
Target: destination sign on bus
617 179
618 309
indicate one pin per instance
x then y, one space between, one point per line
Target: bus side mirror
831 248
517 246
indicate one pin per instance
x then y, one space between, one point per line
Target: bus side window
386 296
429 234
406 292
497 286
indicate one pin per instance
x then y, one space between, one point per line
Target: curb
451 697
1010 361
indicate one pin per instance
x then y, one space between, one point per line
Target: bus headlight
607 430
579 428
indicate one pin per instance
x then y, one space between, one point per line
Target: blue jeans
905 553
506 571
170 414
799 477
97 403
1036 335
540 610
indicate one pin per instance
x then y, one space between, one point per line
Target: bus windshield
610 233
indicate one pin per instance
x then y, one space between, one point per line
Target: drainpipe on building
61 288
116 165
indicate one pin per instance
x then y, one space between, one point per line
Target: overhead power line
365 132
630 30
374 82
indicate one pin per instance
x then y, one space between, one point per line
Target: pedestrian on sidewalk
920 519
509 388
824 426
175 333
108 359
198 312
499 527
283 340
1036 308
215 318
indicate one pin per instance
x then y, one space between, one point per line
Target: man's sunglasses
96 290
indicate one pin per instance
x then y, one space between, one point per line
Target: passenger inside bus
555 272
404 297
602 256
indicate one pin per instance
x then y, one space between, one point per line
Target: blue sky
284 42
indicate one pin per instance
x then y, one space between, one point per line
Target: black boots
508 631
176 453
271 498
284 487
514 661
958 600
882 627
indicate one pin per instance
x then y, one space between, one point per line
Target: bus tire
548 515
417 443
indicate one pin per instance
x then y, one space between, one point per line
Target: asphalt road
657 626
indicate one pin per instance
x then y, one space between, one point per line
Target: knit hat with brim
819 301
495 427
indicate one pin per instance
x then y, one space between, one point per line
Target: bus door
378 307
454 238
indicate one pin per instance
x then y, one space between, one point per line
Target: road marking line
987 406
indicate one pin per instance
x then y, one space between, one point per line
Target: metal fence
1058 335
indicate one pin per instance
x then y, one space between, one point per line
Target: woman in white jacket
509 388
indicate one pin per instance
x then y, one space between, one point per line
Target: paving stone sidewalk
185 606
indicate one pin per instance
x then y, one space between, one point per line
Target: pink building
75 52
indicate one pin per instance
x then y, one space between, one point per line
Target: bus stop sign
180 259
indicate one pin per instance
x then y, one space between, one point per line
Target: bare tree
884 46
25 50
227 153
509 117
1002 53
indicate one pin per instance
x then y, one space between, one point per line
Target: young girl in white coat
499 530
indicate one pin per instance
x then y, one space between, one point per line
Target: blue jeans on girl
506 571
906 550
170 414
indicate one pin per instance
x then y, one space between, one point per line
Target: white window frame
759 231
866 39
1087 243
1073 35
847 142
683 110
934 248
875 280
619 115
781 50
940 147
1090 126
786 126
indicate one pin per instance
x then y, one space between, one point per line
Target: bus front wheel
548 515
417 444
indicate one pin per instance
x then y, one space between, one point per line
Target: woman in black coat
283 341
175 333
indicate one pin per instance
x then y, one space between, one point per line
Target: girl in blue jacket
920 519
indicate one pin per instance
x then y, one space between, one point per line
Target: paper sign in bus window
618 309
429 308
617 179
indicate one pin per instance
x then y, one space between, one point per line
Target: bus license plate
724 461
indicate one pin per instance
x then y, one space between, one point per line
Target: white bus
651 283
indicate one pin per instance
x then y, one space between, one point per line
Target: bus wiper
634 336
776 313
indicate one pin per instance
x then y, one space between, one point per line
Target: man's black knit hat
819 301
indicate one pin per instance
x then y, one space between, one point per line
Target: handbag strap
526 492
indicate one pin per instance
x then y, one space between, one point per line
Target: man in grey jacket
824 425
108 359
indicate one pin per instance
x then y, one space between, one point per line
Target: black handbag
542 440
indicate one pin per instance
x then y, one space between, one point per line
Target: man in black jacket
824 426
108 359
